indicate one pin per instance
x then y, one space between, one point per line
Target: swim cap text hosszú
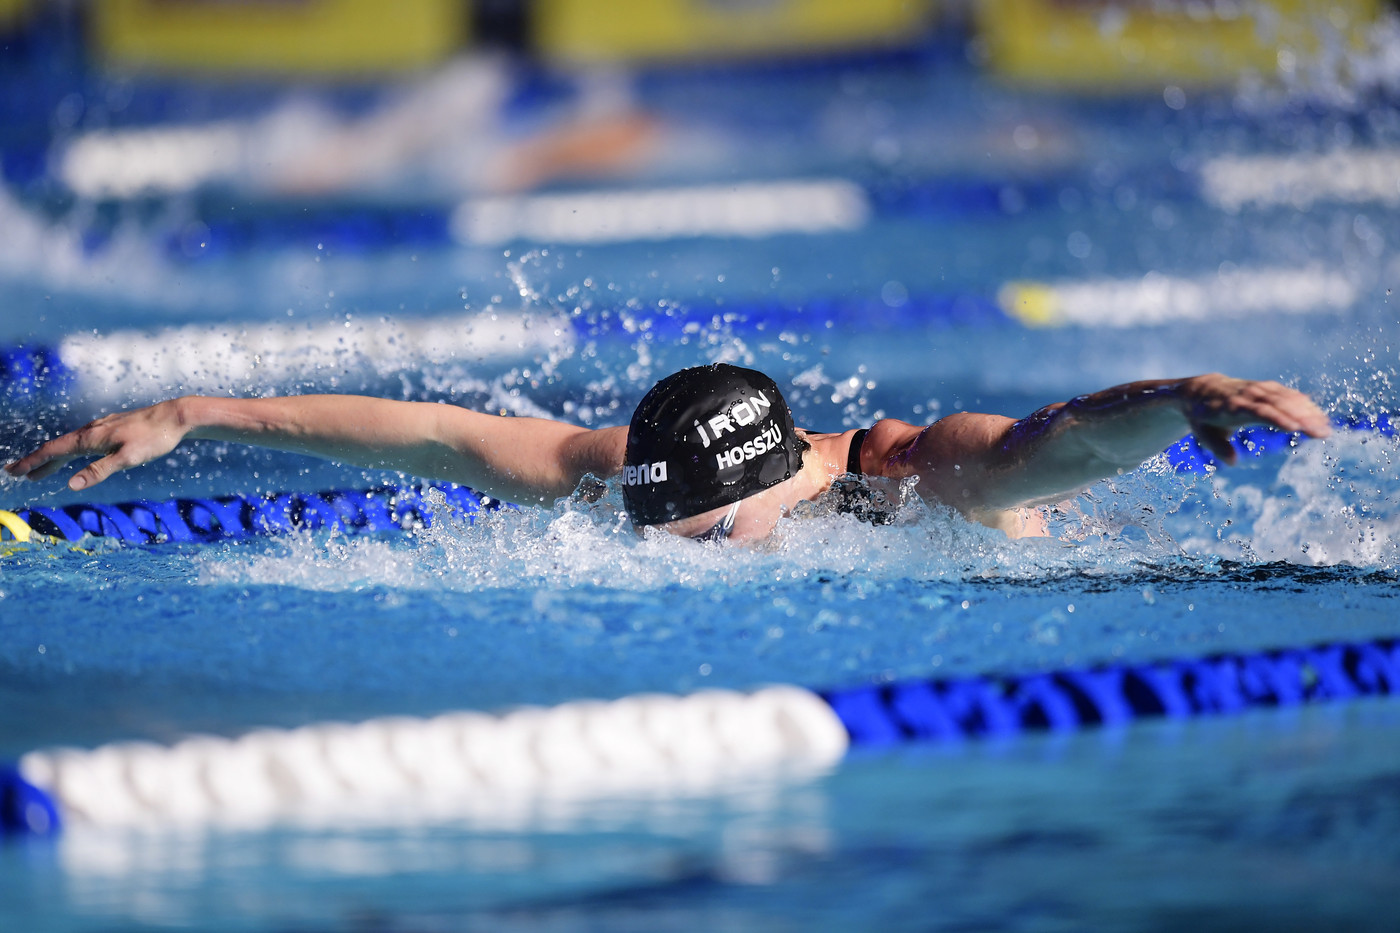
704 438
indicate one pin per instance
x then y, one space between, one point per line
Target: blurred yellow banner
1123 44
610 30
335 37
11 11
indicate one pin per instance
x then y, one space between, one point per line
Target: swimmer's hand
1216 405
121 441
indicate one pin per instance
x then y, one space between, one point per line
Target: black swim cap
704 438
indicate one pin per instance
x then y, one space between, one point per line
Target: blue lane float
224 518
585 746
952 710
1188 456
25 810
29 371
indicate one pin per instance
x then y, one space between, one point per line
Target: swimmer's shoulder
889 450
880 445
883 448
831 449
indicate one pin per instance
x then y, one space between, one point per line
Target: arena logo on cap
644 474
744 412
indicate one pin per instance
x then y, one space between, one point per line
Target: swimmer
712 452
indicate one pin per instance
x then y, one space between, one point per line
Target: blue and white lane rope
754 208
243 358
647 743
393 508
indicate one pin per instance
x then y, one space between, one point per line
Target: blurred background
1098 189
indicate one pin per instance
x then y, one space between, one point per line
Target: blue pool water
1278 819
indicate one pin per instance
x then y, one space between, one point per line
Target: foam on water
1327 503
1333 503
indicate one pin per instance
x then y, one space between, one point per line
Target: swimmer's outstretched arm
525 460
985 463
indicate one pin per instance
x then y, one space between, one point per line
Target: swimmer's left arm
980 463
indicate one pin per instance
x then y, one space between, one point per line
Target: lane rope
1228 183
224 518
1188 456
16 535
641 744
1156 299
122 365
198 357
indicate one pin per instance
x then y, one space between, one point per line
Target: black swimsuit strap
853 457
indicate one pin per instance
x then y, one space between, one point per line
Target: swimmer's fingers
98 470
1217 441
52 456
45 469
60 451
121 441
1284 408
1219 401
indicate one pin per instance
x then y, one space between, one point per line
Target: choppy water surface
1279 819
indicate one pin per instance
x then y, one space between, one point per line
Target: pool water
1280 819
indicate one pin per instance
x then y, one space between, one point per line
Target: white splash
1333 503
592 545
253 358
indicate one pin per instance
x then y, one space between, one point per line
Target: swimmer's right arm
525 460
